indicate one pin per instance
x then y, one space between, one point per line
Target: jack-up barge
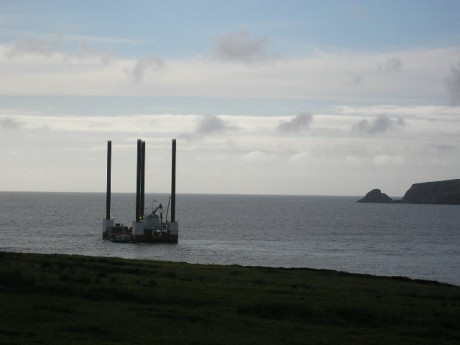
145 229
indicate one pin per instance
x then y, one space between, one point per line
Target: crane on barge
144 229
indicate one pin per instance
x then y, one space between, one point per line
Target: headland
445 192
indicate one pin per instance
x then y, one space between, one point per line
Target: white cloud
33 46
258 156
269 163
86 50
384 160
107 40
320 77
427 111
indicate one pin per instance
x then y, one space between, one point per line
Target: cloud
391 64
216 163
50 53
242 47
31 46
453 86
317 77
298 123
428 112
86 50
8 123
209 125
143 65
258 156
380 124
382 160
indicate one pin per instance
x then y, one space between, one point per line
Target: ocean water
416 241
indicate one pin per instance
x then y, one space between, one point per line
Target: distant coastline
446 192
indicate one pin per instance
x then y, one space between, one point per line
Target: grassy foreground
59 299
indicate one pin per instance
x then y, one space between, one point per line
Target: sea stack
377 196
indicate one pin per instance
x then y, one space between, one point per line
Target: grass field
59 299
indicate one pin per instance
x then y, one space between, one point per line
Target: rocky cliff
438 192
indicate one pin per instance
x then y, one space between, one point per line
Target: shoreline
364 274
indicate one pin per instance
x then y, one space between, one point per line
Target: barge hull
155 239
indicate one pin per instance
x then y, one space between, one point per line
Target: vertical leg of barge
109 180
108 222
138 180
173 182
142 196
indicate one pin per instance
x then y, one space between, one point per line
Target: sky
263 97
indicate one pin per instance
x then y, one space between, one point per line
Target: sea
323 232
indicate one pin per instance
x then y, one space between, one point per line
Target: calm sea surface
416 241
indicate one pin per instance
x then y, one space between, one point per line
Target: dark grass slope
58 299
